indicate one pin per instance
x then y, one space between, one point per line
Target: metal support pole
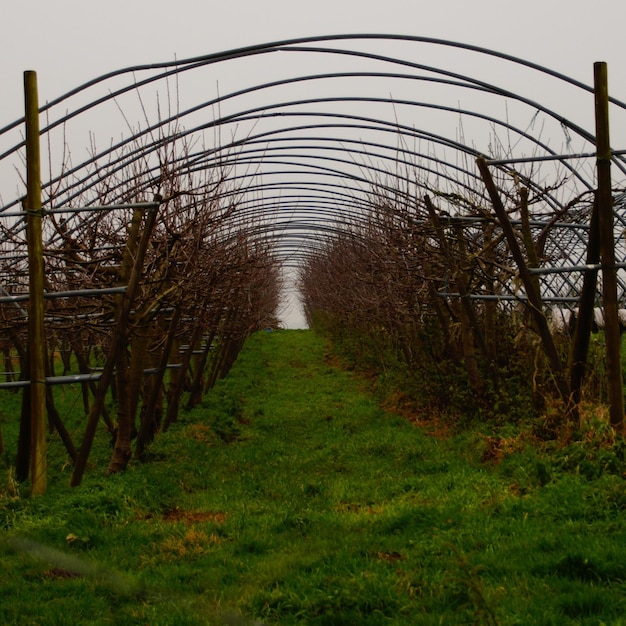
604 200
36 333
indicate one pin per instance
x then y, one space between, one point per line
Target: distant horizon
290 311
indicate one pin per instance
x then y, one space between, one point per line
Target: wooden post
604 203
36 334
150 421
120 333
534 296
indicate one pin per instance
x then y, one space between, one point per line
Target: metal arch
350 201
320 234
288 45
330 214
118 165
264 204
484 86
287 208
295 209
214 101
181 115
298 203
126 159
141 151
316 188
242 116
296 45
396 127
209 103
338 174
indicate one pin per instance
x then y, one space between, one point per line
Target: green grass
290 497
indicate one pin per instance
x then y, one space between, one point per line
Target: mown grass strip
290 497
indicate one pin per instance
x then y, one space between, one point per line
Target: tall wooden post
604 200
36 334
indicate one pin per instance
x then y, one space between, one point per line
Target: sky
68 42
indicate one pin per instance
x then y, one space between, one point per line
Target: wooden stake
534 297
36 334
604 204
117 342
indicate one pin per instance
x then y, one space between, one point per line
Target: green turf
290 497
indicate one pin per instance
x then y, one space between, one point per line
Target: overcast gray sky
71 41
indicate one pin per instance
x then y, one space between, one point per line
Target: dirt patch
390 557
498 448
201 432
194 517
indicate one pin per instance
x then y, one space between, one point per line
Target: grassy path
291 498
